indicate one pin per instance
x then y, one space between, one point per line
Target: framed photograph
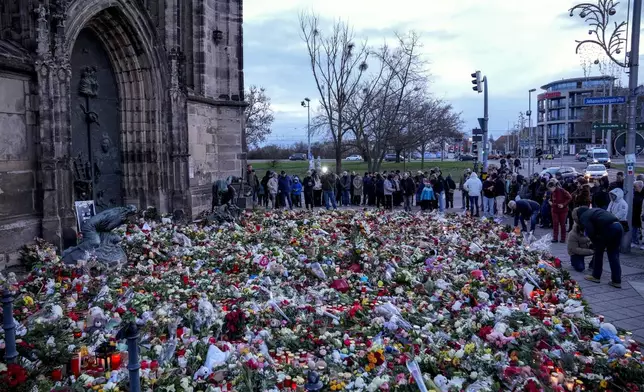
84 211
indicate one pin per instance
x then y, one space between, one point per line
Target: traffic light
475 149
477 81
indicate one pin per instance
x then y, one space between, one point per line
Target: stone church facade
117 101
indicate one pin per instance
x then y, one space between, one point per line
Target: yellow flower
469 348
28 300
368 368
603 384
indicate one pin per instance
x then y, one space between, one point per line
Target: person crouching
578 248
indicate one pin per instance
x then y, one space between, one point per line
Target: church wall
222 55
214 140
20 209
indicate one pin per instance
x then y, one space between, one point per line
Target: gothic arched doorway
95 119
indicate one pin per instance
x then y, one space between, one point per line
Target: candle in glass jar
116 361
76 365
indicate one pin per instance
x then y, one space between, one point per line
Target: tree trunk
338 158
422 156
443 151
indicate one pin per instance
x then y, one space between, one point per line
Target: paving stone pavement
623 307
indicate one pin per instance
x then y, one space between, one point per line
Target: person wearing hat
605 232
525 209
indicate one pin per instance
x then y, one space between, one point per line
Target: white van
598 155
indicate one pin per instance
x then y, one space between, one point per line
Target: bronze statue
98 239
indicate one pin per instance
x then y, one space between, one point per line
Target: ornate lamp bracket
598 18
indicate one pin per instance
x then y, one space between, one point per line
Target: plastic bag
215 357
540 245
317 270
415 372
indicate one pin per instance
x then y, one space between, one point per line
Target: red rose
14 375
484 331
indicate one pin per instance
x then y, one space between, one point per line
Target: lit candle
116 361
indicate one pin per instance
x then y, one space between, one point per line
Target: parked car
595 172
390 157
548 156
566 172
416 155
297 157
354 157
581 155
466 157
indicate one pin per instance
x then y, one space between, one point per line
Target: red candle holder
57 374
75 365
116 361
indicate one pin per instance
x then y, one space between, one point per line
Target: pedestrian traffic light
477 81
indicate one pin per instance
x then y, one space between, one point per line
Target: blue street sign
604 100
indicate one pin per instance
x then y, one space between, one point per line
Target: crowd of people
590 218
429 190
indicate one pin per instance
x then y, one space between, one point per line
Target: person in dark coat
525 209
638 199
308 184
380 190
450 186
618 183
409 190
605 232
601 198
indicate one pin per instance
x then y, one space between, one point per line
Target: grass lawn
622 167
455 168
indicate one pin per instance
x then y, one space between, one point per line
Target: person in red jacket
559 201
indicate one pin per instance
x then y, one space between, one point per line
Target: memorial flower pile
333 301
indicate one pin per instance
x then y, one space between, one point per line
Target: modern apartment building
563 121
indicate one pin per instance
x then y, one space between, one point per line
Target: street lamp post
598 17
530 136
307 104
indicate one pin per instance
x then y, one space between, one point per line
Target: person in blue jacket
284 187
525 209
296 192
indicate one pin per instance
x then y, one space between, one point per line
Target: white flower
474 375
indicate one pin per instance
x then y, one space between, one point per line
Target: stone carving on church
88 86
98 242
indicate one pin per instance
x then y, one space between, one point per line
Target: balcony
556 118
557 105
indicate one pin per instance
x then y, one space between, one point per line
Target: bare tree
258 115
338 64
378 114
435 123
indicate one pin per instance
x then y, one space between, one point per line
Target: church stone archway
95 120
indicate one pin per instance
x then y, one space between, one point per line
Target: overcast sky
518 44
